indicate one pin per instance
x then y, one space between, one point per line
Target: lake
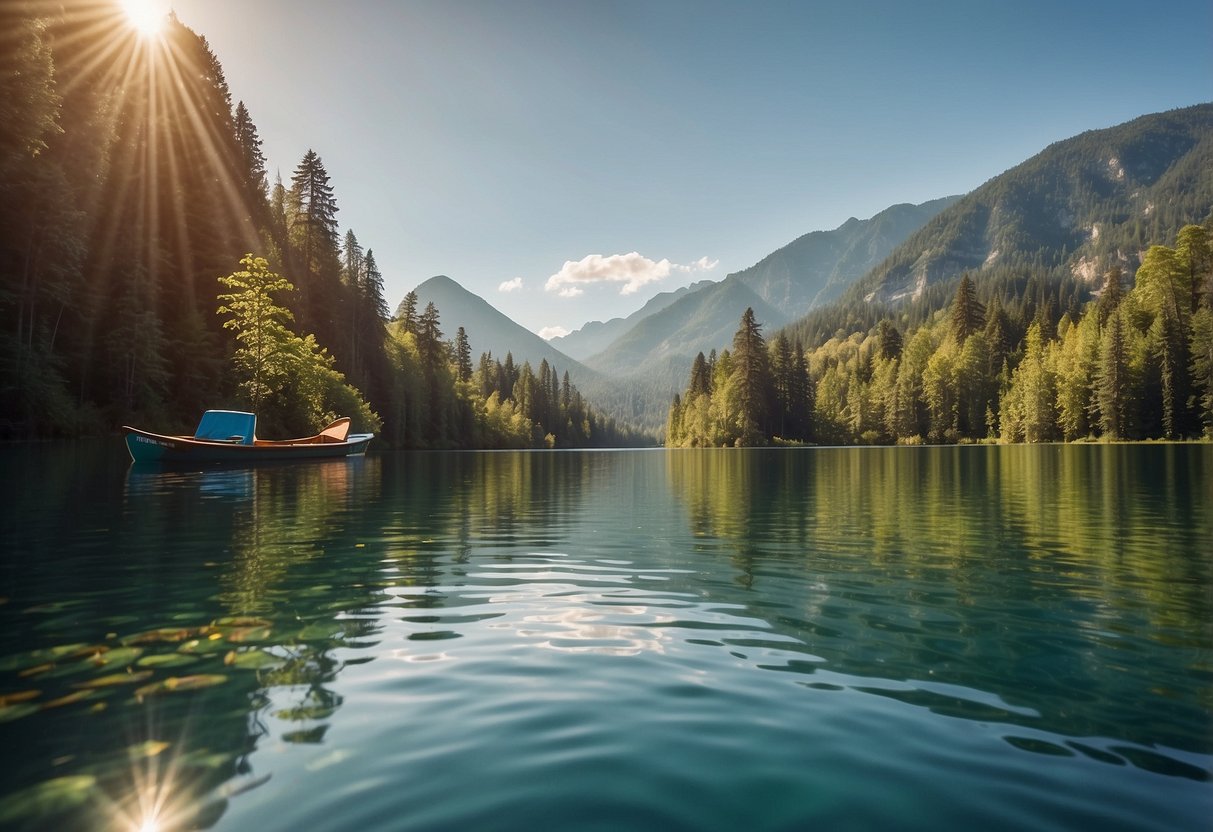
913 638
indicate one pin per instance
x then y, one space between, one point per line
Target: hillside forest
131 187
1018 361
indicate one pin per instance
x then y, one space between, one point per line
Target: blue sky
648 145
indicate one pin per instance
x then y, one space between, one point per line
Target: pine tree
890 343
251 161
407 312
463 356
751 380
372 287
1111 295
1201 346
968 315
1112 388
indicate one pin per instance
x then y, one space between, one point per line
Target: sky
567 160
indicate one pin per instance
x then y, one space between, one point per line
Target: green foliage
263 358
289 381
1123 366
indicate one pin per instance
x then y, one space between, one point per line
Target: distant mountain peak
1082 204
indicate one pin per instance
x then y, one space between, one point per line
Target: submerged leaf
253 659
112 679
143 750
117 657
202 647
51 797
167 634
10 712
18 696
165 660
74 696
240 621
38 657
242 634
174 684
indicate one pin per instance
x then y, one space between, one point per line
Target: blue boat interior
227 426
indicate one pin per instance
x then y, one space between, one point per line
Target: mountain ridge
1082 203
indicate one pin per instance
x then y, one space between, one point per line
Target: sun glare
146 16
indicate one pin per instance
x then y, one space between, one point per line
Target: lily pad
118 657
207 759
243 634
306 712
143 750
169 635
48 798
310 736
10 712
112 679
319 631
18 696
69 699
38 657
204 646
174 684
37 670
240 621
253 659
166 660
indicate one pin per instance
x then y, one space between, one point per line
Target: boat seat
227 426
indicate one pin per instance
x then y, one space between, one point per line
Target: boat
230 436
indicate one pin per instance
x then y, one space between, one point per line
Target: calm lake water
913 638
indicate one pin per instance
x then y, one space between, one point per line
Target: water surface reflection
351 643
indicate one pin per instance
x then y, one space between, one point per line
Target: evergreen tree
463 356
889 339
1113 292
1195 248
968 315
1113 387
251 160
701 377
372 287
751 380
1201 346
407 313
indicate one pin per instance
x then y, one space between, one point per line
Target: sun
147 17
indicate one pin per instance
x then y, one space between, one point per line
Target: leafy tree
260 324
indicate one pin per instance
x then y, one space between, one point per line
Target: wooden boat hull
153 447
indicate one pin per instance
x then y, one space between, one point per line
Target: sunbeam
146 16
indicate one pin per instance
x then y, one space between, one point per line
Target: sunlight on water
1004 637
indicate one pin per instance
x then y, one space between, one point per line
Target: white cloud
510 285
633 270
550 332
703 264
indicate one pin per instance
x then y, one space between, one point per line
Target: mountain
1081 204
816 268
785 284
489 330
597 335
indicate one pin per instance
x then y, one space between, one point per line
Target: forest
131 187
1009 360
